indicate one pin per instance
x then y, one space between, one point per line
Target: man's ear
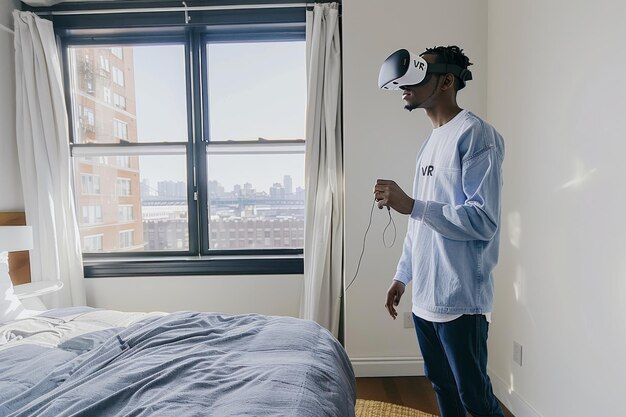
448 81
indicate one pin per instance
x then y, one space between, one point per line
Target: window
118 52
126 239
119 101
104 63
107 95
123 186
93 243
120 129
118 76
125 213
88 119
204 143
258 175
90 183
92 215
88 86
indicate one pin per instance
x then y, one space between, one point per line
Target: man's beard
410 107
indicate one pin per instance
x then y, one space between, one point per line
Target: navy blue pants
455 362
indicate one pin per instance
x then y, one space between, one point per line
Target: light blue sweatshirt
451 245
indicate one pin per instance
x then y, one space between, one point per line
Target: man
451 245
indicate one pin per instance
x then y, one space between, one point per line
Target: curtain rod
6 29
183 8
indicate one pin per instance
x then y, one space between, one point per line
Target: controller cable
391 222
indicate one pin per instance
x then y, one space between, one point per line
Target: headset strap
462 73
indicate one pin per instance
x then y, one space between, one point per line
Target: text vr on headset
403 68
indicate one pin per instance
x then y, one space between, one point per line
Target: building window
90 184
104 63
120 129
118 76
93 243
89 86
123 186
92 215
119 101
107 95
228 179
118 52
125 213
89 118
126 239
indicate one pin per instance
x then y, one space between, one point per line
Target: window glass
145 195
133 94
256 201
256 90
256 94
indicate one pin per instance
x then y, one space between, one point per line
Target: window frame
198 259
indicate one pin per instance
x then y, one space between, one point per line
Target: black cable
391 222
365 238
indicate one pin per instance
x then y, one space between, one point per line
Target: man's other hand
394 293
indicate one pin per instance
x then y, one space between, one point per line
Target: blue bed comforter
183 364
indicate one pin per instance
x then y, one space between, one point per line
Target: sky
255 90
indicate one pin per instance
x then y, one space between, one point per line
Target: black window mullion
202 130
66 83
193 107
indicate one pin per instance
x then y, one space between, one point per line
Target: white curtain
323 242
42 145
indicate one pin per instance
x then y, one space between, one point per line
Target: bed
91 362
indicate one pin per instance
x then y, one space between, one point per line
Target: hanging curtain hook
187 17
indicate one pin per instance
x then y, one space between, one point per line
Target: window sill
194 265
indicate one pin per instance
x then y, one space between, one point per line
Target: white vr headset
404 68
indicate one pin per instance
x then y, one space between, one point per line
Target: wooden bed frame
19 262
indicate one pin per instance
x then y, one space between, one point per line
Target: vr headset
404 68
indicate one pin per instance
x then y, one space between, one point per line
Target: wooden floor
409 391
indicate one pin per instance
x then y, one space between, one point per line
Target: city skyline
164 188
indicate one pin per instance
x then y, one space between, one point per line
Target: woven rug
368 408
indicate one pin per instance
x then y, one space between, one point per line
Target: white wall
557 92
381 140
263 294
11 198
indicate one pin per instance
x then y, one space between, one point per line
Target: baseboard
390 366
511 399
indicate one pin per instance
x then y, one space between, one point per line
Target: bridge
243 201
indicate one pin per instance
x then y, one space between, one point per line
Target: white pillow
11 307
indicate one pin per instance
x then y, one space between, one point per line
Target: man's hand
394 293
388 193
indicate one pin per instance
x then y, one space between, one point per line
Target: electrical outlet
517 353
408 321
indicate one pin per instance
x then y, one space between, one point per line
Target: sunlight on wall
515 229
518 284
621 289
581 174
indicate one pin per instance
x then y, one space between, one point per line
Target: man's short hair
449 55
